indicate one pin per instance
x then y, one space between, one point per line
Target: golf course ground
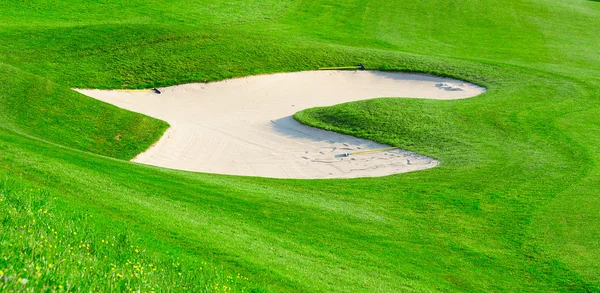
512 206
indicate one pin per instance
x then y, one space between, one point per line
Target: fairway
512 204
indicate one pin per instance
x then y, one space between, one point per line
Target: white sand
244 126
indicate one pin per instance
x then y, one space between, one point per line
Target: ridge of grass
40 108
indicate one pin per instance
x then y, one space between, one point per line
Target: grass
48 251
41 108
512 207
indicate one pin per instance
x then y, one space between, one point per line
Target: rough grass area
43 249
513 206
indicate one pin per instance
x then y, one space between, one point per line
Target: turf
512 207
45 251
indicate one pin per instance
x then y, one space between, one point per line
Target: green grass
46 251
40 108
513 205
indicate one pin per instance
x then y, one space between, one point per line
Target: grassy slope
512 206
40 108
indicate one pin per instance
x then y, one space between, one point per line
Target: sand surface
244 126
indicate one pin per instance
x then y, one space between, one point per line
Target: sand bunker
244 126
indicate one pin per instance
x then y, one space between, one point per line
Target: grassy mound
33 106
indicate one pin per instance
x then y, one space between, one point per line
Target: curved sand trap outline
244 126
